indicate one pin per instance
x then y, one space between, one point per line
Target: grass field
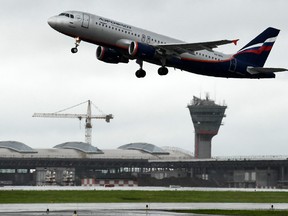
114 196
104 196
238 212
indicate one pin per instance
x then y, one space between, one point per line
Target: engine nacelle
109 55
141 50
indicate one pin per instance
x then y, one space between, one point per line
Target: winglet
235 41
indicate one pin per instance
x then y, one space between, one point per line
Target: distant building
206 117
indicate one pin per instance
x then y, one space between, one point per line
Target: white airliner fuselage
119 43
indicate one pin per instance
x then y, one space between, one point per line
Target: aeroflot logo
114 23
268 42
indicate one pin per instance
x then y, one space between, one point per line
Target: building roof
146 147
80 146
207 102
79 150
17 146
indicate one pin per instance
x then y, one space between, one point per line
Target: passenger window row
129 33
207 56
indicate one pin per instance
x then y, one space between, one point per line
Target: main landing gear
140 73
162 71
77 43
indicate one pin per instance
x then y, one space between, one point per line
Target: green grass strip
103 196
237 212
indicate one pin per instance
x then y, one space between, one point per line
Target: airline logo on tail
259 48
257 51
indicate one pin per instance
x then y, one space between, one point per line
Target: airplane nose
52 22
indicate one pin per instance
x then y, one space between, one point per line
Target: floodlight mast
88 118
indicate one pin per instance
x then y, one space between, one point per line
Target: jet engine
141 50
109 55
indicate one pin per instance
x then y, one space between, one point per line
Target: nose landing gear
74 50
77 43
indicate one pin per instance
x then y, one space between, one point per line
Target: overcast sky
40 74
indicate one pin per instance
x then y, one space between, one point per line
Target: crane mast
88 118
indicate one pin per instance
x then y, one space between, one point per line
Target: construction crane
88 118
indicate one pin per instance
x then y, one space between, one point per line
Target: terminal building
135 164
143 164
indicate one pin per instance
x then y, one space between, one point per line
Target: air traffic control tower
207 117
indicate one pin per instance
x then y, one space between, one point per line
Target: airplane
119 42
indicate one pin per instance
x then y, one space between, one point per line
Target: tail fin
257 51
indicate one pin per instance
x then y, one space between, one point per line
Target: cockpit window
64 14
67 15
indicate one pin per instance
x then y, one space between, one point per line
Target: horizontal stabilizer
256 70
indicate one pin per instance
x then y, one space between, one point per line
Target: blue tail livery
257 51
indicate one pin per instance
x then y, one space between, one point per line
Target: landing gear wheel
74 50
140 73
162 71
77 43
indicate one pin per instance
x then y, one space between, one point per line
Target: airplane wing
192 47
255 70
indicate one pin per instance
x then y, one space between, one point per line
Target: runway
97 213
112 209
125 209
135 209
